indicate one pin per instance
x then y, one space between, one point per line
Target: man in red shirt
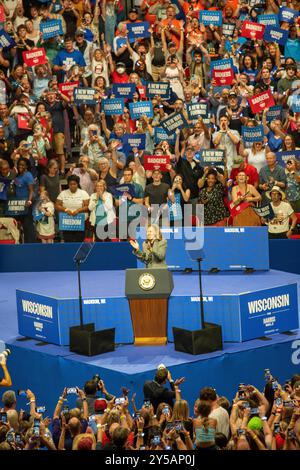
239 164
119 74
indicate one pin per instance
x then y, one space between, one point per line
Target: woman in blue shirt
24 183
248 67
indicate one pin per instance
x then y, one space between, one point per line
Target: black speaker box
204 341
88 342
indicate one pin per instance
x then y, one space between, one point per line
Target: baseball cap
237 161
133 10
121 64
79 32
100 406
232 94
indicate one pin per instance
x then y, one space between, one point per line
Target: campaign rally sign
283 157
275 112
156 162
131 141
228 29
260 101
196 110
138 30
252 30
269 311
142 108
278 35
71 222
268 20
113 106
160 135
38 317
296 103
51 28
212 157
121 42
84 96
287 15
125 188
208 17
253 134
15 207
23 122
142 91
67 88
5 40
266 211
161 89
222 64
223 77
173 122
124 90
34 57
4 185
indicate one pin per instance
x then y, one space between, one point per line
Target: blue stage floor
130 365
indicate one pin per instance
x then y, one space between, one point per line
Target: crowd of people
253 420
48 111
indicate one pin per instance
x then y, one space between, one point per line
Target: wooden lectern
148 291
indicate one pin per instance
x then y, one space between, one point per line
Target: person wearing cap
240 164
237 114
86 49
270 175
279 226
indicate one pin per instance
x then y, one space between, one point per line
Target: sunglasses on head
289 162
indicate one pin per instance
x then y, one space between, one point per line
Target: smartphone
147 403
178 425
137 415
169 426
94 132
10 437
288 404
21 393
274 385
241 394
18 438
276 428
36 422
91 418
240 432
3 417
36 431
71 390
291 434
278 401
254 411
267 374
156 440
246 405
165 410
65 409
119 401
40 409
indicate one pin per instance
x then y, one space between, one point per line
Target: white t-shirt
280 223
222 417
257 160
73 201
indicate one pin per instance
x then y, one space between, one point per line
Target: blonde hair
156 228
180 410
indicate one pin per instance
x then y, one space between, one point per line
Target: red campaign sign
253 30
156 162
142 91
2 14
23 122
34 57
261 101
67 88
223 77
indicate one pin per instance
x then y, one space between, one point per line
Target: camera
147 403
240 432
21 393
36 431
178 426
254 411
276 428
267 374
18 438
10 437
40 409
274 385
65 409
71 390
96 377
278 401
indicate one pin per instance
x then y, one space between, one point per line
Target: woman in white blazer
102 210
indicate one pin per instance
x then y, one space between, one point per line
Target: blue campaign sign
275 112
5 40
38 316
121 42
160 135
15 206
125 188
228 29
283 157
131 141
4 185
161 89
208 17
278 35
222 64
253 134
212 157
266 211
296 103
113 106
173 122
124 90
71 222
84 96
196 110
138 30
51 28
287 15
268 20
269 311
142 108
